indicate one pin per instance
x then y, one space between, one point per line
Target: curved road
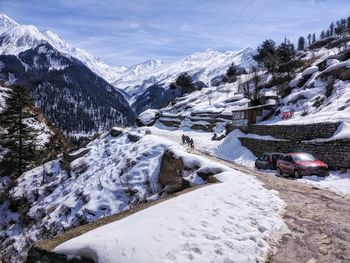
319 220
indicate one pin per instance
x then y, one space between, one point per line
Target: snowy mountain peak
15 38
6 23
144 67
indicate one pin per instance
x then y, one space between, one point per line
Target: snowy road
318 219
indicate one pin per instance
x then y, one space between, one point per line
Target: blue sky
124 32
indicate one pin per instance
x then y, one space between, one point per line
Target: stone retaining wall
335 153
301 132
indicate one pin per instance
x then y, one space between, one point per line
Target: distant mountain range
84 84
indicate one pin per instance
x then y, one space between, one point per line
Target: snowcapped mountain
69 93
15 38
202 66
143 68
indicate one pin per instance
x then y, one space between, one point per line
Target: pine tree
343 26
287 63
266 55
322 35
313 38
301 43
309 37
338 29
173 88
328 33
331 29
231 73
18 138
184 81
348 25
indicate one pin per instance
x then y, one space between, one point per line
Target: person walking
183 137
192 143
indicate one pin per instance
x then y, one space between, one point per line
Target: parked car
268 161
301 164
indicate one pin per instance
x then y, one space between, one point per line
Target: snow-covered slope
321 92
15 38
202 66
115 175
228 222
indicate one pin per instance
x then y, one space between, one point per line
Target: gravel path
319 220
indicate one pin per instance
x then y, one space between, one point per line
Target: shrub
318 101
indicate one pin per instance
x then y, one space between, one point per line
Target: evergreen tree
287 63
331 29
281 62
328 33
313 38
309 37
18 138
231 73
322 35
266 55
184 81
301 43
173 88
343 26
348 25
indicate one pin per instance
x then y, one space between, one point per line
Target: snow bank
344 64
343 132
309 71
331 62
225 222
337 182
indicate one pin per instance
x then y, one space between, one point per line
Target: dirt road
319 220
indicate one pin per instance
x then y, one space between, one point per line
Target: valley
94 166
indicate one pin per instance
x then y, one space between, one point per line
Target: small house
251 115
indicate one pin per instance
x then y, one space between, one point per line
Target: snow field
232 221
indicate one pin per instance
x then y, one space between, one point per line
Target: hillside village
112 178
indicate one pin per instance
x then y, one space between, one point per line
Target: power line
253 18
238 16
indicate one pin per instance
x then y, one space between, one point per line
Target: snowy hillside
202 66
114 175
48 140
321 92
232 220
15 38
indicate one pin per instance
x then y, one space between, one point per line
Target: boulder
133 137
148 117
116 131
170 175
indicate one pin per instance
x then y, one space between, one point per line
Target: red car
301 164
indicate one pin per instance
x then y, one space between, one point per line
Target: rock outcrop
170 175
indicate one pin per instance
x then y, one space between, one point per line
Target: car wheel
279 172
297 174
